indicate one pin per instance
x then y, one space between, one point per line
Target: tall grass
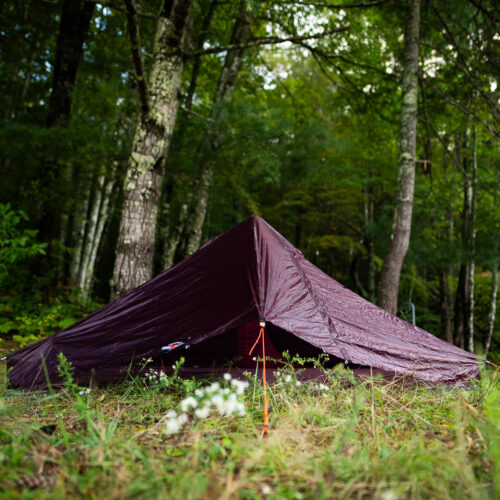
365 438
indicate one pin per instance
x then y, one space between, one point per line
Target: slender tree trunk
471 244
460 306
493 307
212 141
79 227
135 248
197 46
465 291
444 293
400 236
175 234
369 216
98 221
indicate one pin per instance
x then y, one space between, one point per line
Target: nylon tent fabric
247 272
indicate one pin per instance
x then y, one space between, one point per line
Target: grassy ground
367 439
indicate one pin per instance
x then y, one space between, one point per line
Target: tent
212 300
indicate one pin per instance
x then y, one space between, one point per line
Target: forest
126 138
366 132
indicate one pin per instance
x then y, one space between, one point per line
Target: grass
365 439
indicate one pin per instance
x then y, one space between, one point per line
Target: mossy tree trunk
135 248
400 235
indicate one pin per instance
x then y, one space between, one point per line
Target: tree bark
444 293
212 141
79 226
75 21
135 248
369 219
98 221
470 235
460 305
493 307
198 45
400 235
464 304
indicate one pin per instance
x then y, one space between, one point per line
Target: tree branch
318 55
491 102
271 40
113 6
135 43
454 102
339 6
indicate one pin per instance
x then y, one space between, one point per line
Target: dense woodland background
114 146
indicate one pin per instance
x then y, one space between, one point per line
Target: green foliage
27 322
17 246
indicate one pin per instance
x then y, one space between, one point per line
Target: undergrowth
340 438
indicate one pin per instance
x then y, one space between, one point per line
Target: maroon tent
211 301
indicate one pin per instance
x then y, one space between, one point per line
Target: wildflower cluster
287 380
155 378
226 401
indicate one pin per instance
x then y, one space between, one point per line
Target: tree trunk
460 307
468 238
197 46
79 227
400 236
135 248
444 293
471 244
75 21
173 241
98 222
369 219
493 307
212 141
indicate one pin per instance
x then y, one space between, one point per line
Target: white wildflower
182 419
84 391
227 376
239 385
171 414
323 387
229 407
240 407
298 384
217 401
266 490
172 426
188 403
288 378
254 358
213 387
199 392
202 412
